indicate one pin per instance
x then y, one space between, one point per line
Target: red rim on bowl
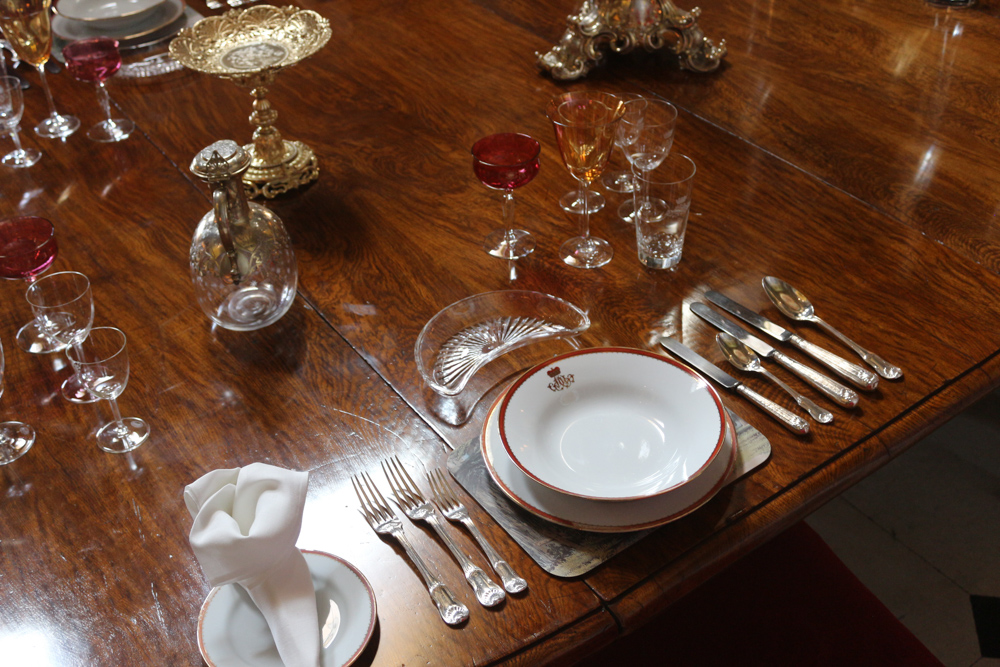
551 364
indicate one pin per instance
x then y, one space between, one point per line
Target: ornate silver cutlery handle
511 582
883 367
791 421
487 592
821 415
452 611
832 389
856 375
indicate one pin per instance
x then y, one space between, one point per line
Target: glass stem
80 379
17 141
585 217
639 195
508 218
102 96
120 429
48 94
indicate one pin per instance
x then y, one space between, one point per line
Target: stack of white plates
132 22
609 440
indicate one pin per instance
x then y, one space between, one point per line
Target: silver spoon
794 304
745 359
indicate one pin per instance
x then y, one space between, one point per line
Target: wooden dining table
850 148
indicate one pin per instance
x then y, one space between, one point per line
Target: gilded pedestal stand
249 47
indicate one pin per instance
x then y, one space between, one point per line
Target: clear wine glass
504 162
16 438
585 124
622 180
103 360
647 139
27 248
95 61
27 27
64 309
11 108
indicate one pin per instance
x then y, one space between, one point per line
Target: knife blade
831 388
788 419
856 375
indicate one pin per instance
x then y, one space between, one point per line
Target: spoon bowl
793 304
790 301
745 359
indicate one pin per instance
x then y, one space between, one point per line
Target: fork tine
378 498
436 491
440 488
411 485
391 468
371 498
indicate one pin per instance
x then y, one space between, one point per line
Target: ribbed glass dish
462 338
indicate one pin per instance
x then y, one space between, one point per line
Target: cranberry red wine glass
504 162
64 309
11 108
585 124
103 360
96 60
27 28
27 248
15 438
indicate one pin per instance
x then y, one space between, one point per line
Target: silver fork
383 521
417 508
454 510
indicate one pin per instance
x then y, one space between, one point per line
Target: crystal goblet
27 248
504 162
64 309
648 135
585 124
95 61
16 438
27 27
11 108
103 360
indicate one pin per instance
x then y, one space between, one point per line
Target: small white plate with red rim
233 633
598 515
612 424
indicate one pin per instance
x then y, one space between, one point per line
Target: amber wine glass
585 125
26 26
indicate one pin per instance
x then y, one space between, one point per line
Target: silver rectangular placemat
563 551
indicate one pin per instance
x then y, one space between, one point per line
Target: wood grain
850 150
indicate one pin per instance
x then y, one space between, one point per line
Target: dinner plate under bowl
598 515
612 424
161 15
101 14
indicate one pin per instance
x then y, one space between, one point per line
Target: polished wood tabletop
850 148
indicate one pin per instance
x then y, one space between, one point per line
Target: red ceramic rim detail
723 418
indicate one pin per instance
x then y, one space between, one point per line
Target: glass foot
75 391
31 339
15 441
515 245
109 131
619 181
118 438
586 253
20 159
57 126
571 202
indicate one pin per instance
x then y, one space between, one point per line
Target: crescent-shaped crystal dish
462 338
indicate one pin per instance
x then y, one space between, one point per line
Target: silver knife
856 375
789 419
831 388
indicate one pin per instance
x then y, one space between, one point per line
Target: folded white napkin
246 522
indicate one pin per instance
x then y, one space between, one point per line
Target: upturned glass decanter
242 264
